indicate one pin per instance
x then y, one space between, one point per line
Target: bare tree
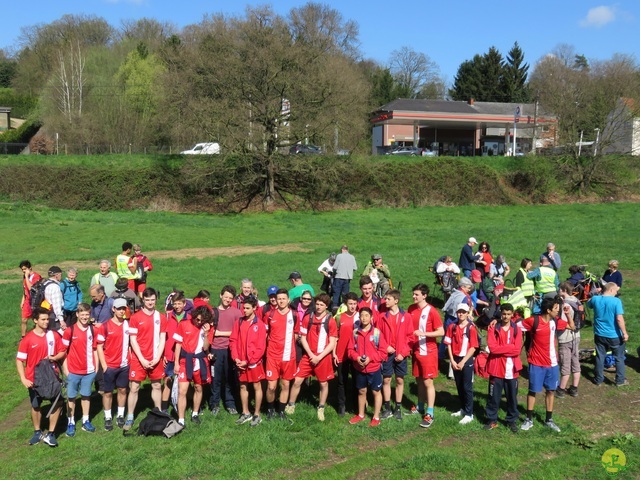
414 72
69 81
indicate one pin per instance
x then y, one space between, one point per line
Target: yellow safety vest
122 267
527 285
546 283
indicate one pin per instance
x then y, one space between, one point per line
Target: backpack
46 382
528 337
157 423
480 365
325 322
376 337
36 292
578 316
140 272
468 334
449 282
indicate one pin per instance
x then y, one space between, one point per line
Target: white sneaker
466 419
457 414
527 425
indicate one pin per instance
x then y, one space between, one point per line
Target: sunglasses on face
306 299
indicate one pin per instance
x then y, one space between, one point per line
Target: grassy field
203 251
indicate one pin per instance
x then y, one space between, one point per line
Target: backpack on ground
46 382
480 365
157 423
36 292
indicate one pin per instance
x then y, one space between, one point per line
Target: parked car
211 148
405 151
305 149
429 153
344 152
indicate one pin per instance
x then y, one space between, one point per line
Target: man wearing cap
467 259
123 291
269 307
379 273
53 295
298 286
344 267
462 294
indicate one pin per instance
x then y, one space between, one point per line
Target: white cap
472 240
462 306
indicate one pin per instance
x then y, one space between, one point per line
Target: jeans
617 346
224 374
340 288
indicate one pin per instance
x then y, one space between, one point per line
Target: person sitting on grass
367 351
247 344
461 340
193 337
38 345
81 364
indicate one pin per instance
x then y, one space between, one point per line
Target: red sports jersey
282 339
425 319
371 344
190 336
148 330
504 347
115 343
248 341
460 340
543 351
34 348
397 330
172 327
347 323
317 336
80 346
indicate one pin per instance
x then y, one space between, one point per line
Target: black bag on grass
158 423
47 383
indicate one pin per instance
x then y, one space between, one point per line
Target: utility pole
535 127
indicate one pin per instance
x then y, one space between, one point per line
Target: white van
203 149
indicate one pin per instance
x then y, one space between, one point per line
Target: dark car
305 149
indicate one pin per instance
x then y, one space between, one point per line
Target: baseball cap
295 276
476 276
462 306
472 240
119 303
376 256
272 290
53 269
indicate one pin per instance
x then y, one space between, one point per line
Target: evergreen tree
492 72
514 77
468 82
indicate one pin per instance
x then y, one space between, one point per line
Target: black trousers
496 387
464 384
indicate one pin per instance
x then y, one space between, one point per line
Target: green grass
410 241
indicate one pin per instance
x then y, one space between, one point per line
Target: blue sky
449 31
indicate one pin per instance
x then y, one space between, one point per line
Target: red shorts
425 366
197 379
323 371
26 310
132 284
139 374
252 375
277 368
139 286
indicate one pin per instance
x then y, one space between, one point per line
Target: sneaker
71 430
215 410
459 413
356 419
181 422
342 411
397 414
128 425
50 440
284 418
88 427
120 422
427 420
196 419
466 419
573 391
513 426
560 392
244 418
552 425
527 425
414 411
290 409
623 384
490 425
271 414
321 414
386 414
108 424
374 422
232 411
37 436
256 420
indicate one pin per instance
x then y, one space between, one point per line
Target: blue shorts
546 377
390 366
116 377
81 383
168 369
372 380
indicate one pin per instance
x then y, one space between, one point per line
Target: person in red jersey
427 326
281 353
367 350
543 358
192 339
175 316
461 340
271 306
505 343
347 321
81 366
147 336
113 355
38 345
144 265
318 335
29 277
370 299
247 344
397 327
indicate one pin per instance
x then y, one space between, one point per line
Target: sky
448 31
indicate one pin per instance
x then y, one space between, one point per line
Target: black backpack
47 383
157 423
36 292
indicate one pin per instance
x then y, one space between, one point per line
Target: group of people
244 347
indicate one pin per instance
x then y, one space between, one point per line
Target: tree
8 68
415 73
514 77
468 82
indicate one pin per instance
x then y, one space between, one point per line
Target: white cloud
598 17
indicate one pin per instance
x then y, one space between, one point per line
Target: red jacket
399 337
362 343
504 347
248 345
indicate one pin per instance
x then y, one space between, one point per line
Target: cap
272 290
472 240
476 276
122 284
119 303
376 256
462 306
53 269
295 276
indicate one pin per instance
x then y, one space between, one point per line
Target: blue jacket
71 294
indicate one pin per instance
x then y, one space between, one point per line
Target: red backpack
480 366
